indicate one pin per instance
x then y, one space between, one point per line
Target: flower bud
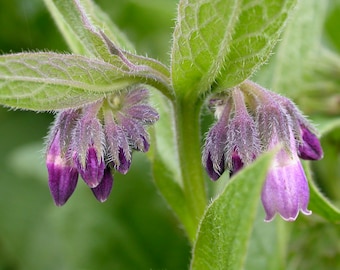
62 175
103 190
87 150
117 146
310 148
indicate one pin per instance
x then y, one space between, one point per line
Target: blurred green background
134 229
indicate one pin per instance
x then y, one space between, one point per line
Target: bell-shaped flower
285 190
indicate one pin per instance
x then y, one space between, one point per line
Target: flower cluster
250 121
96 139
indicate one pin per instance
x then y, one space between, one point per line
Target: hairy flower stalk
250 121
96 140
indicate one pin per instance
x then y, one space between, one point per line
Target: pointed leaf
49 81
225 229
300 43
79 32
224 41
201 36
257 31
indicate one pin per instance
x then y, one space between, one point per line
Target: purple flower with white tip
96 140
250 121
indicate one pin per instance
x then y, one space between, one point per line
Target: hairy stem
188 139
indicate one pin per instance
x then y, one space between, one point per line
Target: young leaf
224 41
225 229
49 81
296 54
80 34
320 205
255 35
200 42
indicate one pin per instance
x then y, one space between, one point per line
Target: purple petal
237 164
285 190
93 171
103 190
144 113
136 133
124 162
62 176
213 171
136 96
213 152
310 149
118 150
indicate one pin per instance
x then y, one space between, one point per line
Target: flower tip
103 190
62 181
310 149
212 169
94 168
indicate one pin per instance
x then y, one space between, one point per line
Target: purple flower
103 190
96 139
62 175
310 148
213 157
285 190
236 164
87 149
250 121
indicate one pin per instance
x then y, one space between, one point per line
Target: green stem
188 139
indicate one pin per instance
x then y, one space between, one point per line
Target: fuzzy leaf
296 54
255 35
225 229
79 32
224 41
49 81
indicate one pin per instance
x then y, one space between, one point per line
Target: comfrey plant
96 139
109 103
250 121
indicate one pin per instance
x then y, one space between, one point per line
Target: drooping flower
95 140
285 190
256 121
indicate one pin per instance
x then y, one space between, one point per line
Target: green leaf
296 53
201 35
267 244
102 21
79 32
257 31
225 229
224 41
82 24
49 81
320 205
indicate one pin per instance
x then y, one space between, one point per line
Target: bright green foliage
223 41
216 45
49 81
